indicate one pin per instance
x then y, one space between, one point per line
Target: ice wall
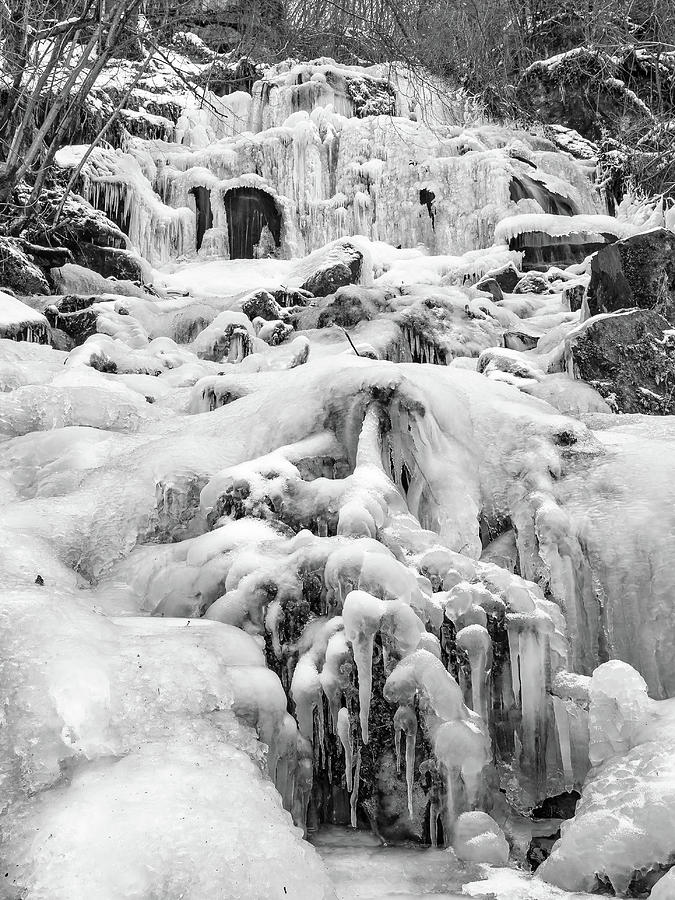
605 564
335 166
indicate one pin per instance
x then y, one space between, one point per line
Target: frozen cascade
324 170
273 561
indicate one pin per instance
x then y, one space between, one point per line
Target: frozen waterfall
313 531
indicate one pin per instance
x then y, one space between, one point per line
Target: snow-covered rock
20 322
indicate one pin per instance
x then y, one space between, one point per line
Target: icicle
514 654
529 631
337 653
562 725
450 810
361 615
363 656
462 746
320 731
287 761
396 444
398 731
433 823
345 734
475 640
405 720
303 784
410 765
353 800
306 694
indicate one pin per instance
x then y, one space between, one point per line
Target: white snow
15 313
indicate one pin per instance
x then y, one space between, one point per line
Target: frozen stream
362 869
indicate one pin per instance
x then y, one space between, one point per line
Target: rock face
573 296
629 358
84 235
18 272
638 271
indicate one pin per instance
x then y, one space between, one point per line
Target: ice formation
273 560
304 162
621 835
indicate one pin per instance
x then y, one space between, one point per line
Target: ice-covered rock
479 839
20 322
621 834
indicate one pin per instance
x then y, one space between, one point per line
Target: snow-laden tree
51 54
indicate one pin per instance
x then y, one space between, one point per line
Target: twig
344 330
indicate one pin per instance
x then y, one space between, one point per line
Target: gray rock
337 265
73 316
262 305
111 262
507 277
18 272
628 359
490 286
347 308
638 271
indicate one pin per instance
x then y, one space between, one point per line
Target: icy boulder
621 836
188 818
74 279
664 889
330 268
532 283
620 710
478 839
